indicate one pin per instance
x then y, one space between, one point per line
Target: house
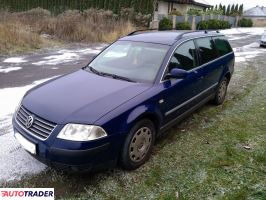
163 7
257 15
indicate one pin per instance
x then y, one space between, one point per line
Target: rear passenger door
211 67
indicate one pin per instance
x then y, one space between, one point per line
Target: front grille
40 128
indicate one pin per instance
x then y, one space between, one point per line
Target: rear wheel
138 145
221 92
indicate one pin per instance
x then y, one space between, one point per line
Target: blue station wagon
111 111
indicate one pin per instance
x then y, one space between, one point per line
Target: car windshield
133 61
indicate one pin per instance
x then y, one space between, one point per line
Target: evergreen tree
215 7
228 10
224 10
236 9
220 7
232 9
241 8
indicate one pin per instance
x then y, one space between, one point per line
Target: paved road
44 64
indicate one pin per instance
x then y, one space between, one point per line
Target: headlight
78 132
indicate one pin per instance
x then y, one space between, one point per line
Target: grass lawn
217 153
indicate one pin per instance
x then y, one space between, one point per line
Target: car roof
166 37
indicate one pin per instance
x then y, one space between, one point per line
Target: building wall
183 8
259 22
163 7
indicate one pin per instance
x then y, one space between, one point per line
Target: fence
58 6
194 20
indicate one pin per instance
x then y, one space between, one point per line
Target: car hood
80 97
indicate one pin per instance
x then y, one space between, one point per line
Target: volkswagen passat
112 110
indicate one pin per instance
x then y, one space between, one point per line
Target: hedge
213 24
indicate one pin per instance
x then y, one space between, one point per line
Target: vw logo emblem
29 121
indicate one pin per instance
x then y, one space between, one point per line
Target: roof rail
142 30
188 32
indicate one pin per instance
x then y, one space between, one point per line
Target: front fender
151 112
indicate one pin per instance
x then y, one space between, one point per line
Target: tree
220 7
215 7
236 8
232 9
224 10
228 10
241 9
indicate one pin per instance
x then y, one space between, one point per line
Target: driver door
179 94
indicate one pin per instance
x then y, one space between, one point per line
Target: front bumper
71 155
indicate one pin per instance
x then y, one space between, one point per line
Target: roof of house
201 3
256 12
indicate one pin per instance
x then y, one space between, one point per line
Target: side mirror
177 73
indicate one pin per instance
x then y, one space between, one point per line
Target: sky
247 3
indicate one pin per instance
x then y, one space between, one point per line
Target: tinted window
207 49
222 45
185 57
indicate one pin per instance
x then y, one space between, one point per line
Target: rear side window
222 45
185 57
207 49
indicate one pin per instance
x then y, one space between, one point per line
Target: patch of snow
245 53
81 51
15 162
250 31
10 97
9 69
66 55
57 59
15 60
232 37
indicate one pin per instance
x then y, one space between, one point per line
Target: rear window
222 45
207 49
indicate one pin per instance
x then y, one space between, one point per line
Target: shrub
202 25
193 11
213 24
245 22
183 26
175 12
165 24
22 31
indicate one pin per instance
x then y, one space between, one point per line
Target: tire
221 92
138 145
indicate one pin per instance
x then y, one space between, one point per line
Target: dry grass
15 37
22 31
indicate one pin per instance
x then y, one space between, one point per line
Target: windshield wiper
95 71
114 76
118 77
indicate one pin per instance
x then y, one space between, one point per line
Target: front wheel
221 92
138 145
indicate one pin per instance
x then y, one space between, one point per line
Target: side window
207 49
222 45
185 57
